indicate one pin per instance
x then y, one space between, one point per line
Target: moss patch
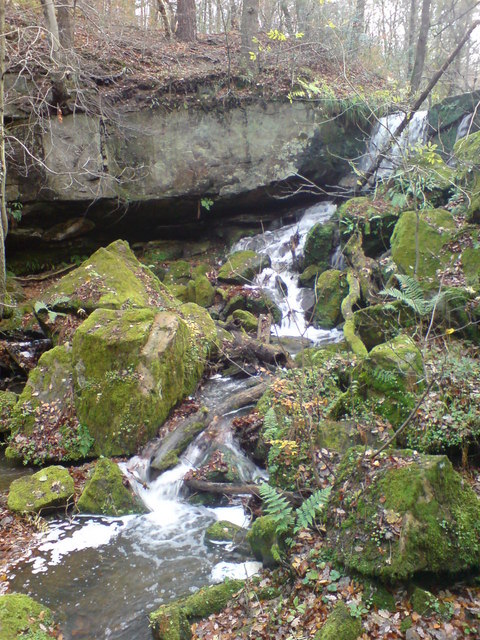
319 245
23 617
263 541
340 625
330 290
223 531
50 488
241 267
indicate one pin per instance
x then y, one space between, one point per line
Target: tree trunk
421 51
301 7
52 26
411 36
162 10
3 167
358 24
65 24
287 16
249 26
186 21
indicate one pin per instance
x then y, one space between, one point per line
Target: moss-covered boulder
435 231
107 492
130 368
203 341
178 272
263 541
174 444
244 319
50 488
172 621
8 400
391 376
111 278
44 424
309 276
341 435
330 290
201 291
255 302
374 218
241 267
467 154
406 514
340 625
379 323
24 617
319 245
224 531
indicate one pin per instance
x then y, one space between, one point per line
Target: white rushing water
280 280
415 132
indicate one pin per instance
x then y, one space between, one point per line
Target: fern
278 507
270 425
311 508
385 377
411 294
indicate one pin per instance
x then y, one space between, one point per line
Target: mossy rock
161 251
241 267
263 541
24 617
471 261
172 621
376 594
174 444
435 231
130 369
379 323
8 400
244 320
374 218
391 376
309 276
221 466
319 245
413 514
111 278
203 291
341 435
203 341
49 488
224 531
340 625
330 290
178 272
319 356
106 494
256 304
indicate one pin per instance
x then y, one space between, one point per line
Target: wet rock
50 488
319 245
241 267
263 541
72 228
223 531
340 624
107 492
244 320
330 290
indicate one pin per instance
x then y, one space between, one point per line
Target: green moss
262 538
203 342
169 457
245 320
330 290
406 624
204 291
319 245
374 218
241 267
7 401
340 624
172 621
223 531
471 263
255 304
414 516
111 278
377 595
23 617
435 230
379 323
178 272
130 369
353 340
309 276
49 488
106 494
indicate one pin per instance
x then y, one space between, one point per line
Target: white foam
234 570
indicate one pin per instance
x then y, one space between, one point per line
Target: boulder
374 218
223 531
255 302
309 276
319 245
108 493
340 625
49 488
172 621
406 514
435 231
241 267
244 320
8 400
130 368
44 424
263 541
330 290
467 154
201 291
24 617
111 278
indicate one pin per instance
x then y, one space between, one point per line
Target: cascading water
284 246
464 126
102 576
415 132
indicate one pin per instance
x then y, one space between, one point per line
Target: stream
103 576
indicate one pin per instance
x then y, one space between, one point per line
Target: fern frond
311 508
270 425
278 507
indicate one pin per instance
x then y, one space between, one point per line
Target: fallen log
248 349
223 488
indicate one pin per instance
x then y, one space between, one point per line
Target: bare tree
186 21
3 167
249 26
421 51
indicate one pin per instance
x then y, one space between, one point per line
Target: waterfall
464 126
415 132
285 247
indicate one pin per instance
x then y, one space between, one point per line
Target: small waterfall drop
285 247
415 132
464 126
